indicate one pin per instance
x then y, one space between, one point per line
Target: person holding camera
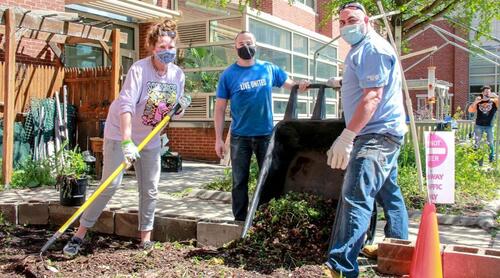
485 106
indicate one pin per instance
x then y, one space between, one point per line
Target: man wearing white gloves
368 147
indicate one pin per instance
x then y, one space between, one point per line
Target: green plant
225 183
473 184
33 173
200 57
459 113
70 166
413 196
288 232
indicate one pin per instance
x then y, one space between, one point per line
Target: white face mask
353 34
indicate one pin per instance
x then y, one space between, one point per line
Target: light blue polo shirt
250 91
373 63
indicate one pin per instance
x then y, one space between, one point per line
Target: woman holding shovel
152 87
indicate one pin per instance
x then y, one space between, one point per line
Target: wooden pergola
54 28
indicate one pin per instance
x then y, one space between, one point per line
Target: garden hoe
118 170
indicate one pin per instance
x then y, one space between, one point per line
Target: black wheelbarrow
296 159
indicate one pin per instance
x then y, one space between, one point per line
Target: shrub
225 183
473 184
33 173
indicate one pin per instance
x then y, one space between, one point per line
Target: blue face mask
166 56
352 34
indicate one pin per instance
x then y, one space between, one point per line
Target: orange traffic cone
426 260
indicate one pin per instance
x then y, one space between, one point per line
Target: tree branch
424 11
408 31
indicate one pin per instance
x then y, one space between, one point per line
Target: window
300 44
324 70
301 107
421 103
331 110
83 56
279 106
281 59
130 45
300 65
328 53
309 3
482 79
265 33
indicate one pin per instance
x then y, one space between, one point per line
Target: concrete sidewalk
175 200
171 188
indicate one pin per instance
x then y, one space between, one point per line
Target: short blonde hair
156 31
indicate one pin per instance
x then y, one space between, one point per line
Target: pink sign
437 150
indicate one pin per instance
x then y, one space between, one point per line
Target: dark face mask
246 52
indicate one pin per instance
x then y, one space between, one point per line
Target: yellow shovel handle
105 184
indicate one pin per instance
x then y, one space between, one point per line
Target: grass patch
225 183
474 184
181 194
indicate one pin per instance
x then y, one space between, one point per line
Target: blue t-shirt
373 63
249 90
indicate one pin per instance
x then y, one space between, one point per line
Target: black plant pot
73 193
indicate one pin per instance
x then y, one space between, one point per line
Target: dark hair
167 27
485 87
243 32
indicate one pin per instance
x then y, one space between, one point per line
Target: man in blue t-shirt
368 147
247 84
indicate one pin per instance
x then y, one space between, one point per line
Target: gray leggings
147 170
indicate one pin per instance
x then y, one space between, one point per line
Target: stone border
214 195
486 219
122 222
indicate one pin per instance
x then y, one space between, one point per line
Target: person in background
485 106
152 86
369 146
247 84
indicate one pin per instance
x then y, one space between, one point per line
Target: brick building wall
452 64
143 33
28 50
196 143
299 15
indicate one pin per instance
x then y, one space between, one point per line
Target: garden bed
110 256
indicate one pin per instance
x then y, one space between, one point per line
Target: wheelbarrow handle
319 112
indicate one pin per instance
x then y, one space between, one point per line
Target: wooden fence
33 81
89 89
463 131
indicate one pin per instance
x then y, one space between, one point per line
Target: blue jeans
478 135
242 148
371 176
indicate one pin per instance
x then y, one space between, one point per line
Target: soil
111 256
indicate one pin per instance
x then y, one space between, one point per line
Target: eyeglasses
353 5
171 34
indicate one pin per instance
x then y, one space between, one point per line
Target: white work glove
340 151
334 82
130 152
184 101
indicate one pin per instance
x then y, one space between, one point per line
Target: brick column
143 33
